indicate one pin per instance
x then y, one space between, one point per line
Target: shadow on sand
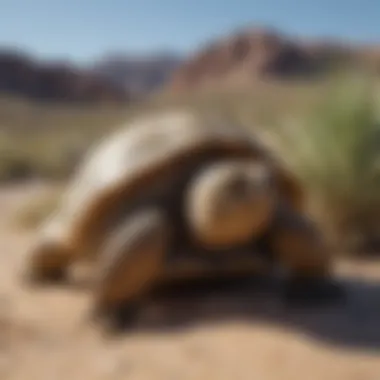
354 324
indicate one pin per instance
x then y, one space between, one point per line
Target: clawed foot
310 292
116 319
41 278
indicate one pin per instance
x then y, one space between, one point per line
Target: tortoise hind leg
299 247
130 262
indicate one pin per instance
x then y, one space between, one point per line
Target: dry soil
232 333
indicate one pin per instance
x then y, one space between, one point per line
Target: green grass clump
336 153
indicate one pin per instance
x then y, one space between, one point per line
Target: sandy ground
232 333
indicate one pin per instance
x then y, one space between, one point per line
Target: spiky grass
336 153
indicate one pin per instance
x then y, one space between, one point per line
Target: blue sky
85 29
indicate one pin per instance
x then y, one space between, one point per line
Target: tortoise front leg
49 257
299 246
129 264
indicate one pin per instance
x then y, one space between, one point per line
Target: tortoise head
230 202
49 256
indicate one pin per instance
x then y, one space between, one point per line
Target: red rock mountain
240 58
262 53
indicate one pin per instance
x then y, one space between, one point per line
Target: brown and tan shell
140 160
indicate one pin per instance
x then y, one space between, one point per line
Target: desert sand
232 333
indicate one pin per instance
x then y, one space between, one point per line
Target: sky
83 30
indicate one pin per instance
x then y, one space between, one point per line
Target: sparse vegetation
336 153
46 140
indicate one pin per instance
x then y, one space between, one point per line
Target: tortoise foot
116 319
42 278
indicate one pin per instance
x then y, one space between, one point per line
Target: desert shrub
336 153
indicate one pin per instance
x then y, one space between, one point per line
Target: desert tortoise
175 195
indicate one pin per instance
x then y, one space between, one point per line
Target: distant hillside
27 77
259 54
243 58
140 75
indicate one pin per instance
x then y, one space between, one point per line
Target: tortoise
175 195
